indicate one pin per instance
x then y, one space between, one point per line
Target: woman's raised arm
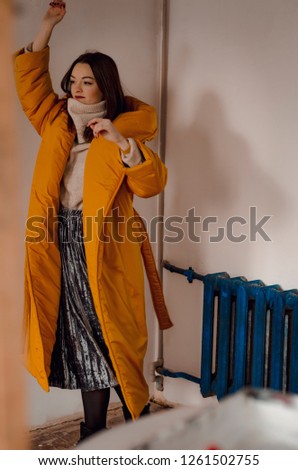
53 16
33 81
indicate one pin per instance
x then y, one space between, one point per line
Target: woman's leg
126 413
95 405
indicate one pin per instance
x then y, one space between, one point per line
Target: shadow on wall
219 162
214 171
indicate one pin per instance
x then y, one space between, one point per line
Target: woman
84 294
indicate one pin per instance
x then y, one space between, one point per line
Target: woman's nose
78 87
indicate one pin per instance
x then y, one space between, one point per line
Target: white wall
128 30
232 143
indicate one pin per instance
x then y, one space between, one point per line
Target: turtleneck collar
82 113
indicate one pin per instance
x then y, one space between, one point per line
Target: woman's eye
87 83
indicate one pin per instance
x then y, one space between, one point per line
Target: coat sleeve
149 178
140 123
34 87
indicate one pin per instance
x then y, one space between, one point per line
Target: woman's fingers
57 4
95 121
99 125
106 128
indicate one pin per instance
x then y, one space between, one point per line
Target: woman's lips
79 97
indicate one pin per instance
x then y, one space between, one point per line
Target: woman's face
83 86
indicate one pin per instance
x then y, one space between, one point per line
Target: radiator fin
250 336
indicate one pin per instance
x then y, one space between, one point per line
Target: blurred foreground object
249 419
12 389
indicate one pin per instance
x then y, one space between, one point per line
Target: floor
64 434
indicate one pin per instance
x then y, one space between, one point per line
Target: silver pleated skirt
80 359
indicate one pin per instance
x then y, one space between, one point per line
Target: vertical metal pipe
163 78
162 112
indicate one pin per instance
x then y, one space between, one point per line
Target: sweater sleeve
134 157
34 86
148 179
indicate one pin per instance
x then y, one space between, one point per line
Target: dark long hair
106 74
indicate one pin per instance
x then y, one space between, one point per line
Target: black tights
96 404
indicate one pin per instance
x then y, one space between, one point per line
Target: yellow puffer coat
114 269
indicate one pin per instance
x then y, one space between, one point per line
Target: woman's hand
55 13
106 129
52 17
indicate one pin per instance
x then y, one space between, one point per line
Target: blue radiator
249 338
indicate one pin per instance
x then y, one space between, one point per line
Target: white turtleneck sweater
71 190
